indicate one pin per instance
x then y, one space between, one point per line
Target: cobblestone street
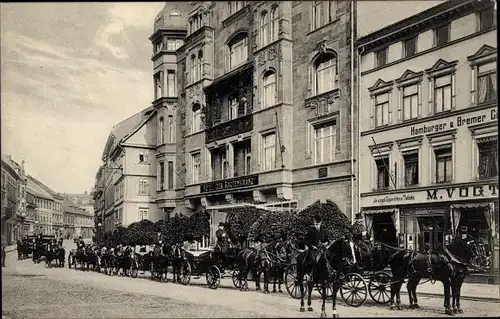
32 291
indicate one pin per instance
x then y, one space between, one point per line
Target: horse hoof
449 312
266 292
393 307
335 315
323 315
310 309
459 310
399 307
280 291
415 306
257 289
274 291
302 309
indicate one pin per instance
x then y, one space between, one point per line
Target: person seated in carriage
358 229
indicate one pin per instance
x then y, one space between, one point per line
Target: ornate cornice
321 99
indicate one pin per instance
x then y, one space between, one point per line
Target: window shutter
400 104
453 92
431 96
419 98
391 106
473 85
372 111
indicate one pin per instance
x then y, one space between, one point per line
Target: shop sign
475 191
230 183
472 118
452 193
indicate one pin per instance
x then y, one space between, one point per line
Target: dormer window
175 13
237 50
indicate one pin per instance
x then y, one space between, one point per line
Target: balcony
224 130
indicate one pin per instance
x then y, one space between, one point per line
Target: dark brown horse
325 267
448 266
258 261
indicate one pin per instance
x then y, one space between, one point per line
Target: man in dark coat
313 238
222 238
358 229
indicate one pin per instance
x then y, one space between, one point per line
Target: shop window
382 165
444 169
488 159
411 169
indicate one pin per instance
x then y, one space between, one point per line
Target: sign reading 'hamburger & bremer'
238 182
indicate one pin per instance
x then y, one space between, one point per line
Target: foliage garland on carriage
243 224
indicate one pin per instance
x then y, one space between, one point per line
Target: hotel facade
429 127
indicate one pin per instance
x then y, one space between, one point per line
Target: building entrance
432 231
384 230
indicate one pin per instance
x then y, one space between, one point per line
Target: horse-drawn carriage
368 277
215 265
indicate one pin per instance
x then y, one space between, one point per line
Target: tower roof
172 16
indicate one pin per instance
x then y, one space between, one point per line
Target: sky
69 72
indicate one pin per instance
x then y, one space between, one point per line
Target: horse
280 253
258 261
159 262
448 266
325 266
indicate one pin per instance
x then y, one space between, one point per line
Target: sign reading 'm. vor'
462 120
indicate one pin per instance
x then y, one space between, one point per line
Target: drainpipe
353 4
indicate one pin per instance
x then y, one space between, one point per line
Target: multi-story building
44 203
13 199
84 201
77 220
252 106
428 126
55 208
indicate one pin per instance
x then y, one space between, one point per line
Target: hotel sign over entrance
232 183
472 118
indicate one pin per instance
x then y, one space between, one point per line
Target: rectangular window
171 127
161 177
220 164
488 159
170 169
171 83
410 47
324 142
442 35
171 45
316 15
410 102
381 57
143 158
238 53
444 169
411 169
242 155
233 107
196 167
248 159
158 85
382 109
442 93
143 214
382 172
269 151
143 187
486 19
487 82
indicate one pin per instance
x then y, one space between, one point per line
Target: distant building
84 201
77 221
13 199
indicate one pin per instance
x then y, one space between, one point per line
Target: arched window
237 50
162 130
171 129
200 64
325 69
264 29
274 24
196 118
269 88
194 68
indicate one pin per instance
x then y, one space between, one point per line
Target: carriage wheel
237 280
291 283
134 269
379 287
213 277
329 289
353 290
185 272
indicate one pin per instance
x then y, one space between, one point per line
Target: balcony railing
224 130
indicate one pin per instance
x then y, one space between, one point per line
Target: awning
471 205
378 211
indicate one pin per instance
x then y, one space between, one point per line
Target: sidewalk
468 292
10 248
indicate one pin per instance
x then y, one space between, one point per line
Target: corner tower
169 31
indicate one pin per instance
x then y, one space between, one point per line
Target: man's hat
358 216
317 219
221 224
